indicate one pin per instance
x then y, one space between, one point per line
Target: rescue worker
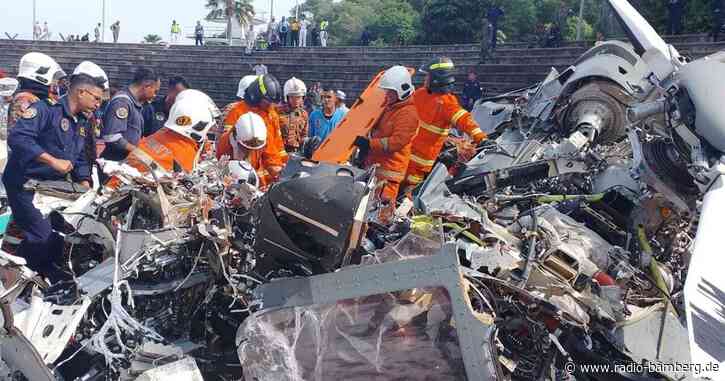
48 143
155 112
241 89
178 145
37 73
245 142
439 111
123 123
259 98
95 119
389 144
292 115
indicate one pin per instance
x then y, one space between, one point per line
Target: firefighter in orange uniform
245 142
389 144
259 98
439 111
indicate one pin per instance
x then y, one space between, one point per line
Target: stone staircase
216 70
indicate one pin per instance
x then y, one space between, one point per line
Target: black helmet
265 87
441 72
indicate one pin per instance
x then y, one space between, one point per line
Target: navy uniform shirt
123 119
47 127
154 116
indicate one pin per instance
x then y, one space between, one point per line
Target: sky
138 17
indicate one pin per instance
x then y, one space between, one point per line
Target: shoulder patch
122 112
160 116
51 101
29 113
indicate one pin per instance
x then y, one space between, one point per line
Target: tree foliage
152 39
462 21
243 10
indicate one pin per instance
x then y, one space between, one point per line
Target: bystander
676 10
295 32
116 30
283 31
199 34
97 33
472 91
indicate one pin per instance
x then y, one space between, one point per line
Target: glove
309 146
363 143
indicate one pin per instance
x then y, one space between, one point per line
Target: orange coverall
438 113
254 157
390 146
274 156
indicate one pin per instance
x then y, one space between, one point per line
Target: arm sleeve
113 126
406 126
231 119
274 154
23 137
224 147
462 120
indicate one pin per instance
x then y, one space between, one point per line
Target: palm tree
242 10
152 39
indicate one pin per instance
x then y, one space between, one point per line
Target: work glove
309 146
363 143
363 147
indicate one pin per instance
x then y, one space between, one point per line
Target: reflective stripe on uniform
434 129
476 131
413 179
460 113
262 87
390 175
421 161
384 143
442 65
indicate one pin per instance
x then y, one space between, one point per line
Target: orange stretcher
361 118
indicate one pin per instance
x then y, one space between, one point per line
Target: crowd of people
59 126
290 31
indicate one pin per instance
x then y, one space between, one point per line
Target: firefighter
123 122
48 142
292 115
259 98
241 89
389 143
37 74
439 111
245 142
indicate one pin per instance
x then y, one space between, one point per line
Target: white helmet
244 83
294 86
242 172
40 68
191 118
90 69
201 97
251 131
398 79
8 86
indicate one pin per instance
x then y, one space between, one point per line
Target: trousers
41 246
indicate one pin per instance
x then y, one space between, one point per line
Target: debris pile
573 237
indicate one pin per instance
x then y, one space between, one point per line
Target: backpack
283 28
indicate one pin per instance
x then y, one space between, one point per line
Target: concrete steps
216 70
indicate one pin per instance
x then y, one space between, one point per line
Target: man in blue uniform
123 122
48 142
157 111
